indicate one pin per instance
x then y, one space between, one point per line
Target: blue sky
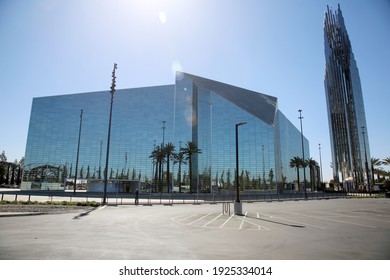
52 47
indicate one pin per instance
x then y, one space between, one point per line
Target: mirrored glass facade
347 121
194 109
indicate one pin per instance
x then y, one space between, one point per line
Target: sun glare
163 17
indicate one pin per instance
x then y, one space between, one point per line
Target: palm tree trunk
312 178
156 176
190 162
159 176
299 188
168 174
179 179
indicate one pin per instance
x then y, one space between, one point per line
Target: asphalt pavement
351 229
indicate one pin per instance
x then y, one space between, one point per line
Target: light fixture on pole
112 91
237 204
303 154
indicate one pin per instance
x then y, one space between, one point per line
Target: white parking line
243 220
293 221
356 217
212 220
187 217
199 219
226 221
259 227
336 221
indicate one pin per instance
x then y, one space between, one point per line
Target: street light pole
112 91
78 151
237 204
162 161
366 162
319 147
303 154
262 148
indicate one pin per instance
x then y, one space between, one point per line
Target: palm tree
296 162
386 161
189 150
179 158
169 152
375 162
158 156
313 165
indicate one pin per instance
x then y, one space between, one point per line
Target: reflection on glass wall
206 113
194 109
136 129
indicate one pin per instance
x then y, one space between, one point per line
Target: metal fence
162 198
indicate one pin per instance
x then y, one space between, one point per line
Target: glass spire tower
347 121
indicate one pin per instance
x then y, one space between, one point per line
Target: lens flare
163 17
177 69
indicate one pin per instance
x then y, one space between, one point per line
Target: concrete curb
21 214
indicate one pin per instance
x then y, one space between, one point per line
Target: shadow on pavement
274 222
84 214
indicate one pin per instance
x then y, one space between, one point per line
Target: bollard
16 197
225 208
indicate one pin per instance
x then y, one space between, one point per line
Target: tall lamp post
319 148
112 91
303 154
237 204
78 151
162 161
366 162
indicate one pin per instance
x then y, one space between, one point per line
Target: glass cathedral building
347 121
193 109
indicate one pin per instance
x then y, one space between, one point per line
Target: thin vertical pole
366 162
78 151
303 154
109 136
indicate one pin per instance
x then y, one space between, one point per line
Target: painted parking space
249 221
268 221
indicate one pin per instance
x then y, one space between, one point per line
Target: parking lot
315 229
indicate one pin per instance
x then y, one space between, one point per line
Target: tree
20 171
158 157
81 172
169 152
189 151
375 162
221 179
247 179
228 174
216 179
179 158
3 166
296 162
271 177
88 172
3 157
386 161
313 165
